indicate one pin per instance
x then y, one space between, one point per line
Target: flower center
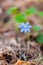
25 26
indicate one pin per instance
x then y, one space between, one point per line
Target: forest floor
15 45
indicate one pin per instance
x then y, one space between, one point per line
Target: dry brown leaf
20 62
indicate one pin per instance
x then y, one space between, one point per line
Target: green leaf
31 10
12 10
20 18
40 14
39 38
36 28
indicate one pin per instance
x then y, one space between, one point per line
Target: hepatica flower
25 27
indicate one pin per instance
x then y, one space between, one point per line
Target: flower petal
22 25
22 30
27 24
28 30
25 30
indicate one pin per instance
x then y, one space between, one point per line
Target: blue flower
25 27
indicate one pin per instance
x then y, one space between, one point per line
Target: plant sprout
20 18
12 10
39 38
36 28
40 14
30 11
